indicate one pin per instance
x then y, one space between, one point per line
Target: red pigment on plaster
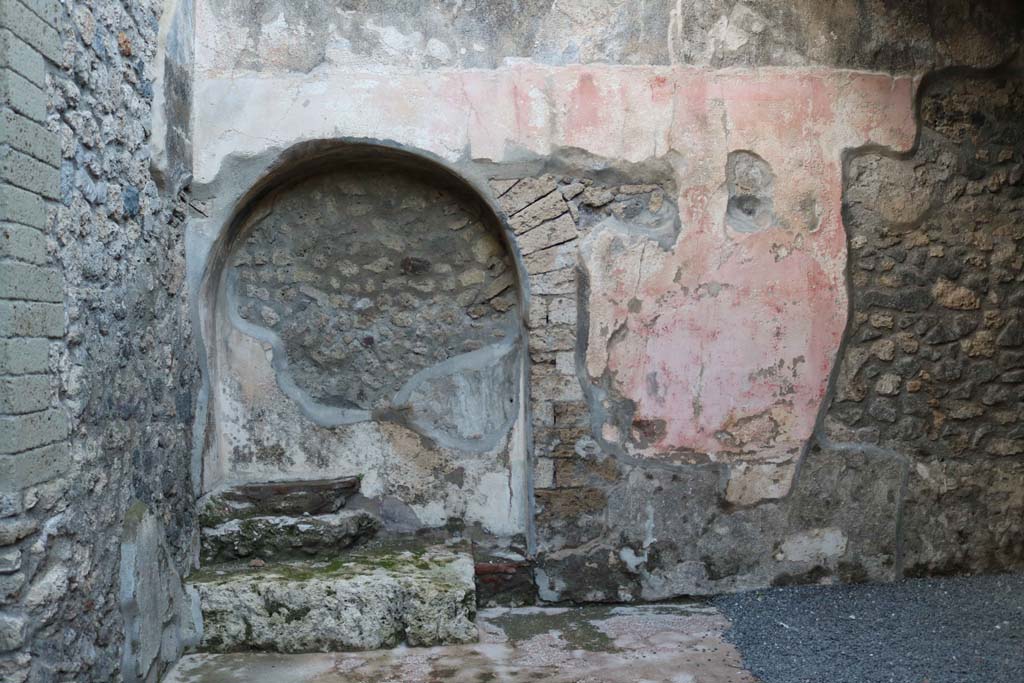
585 107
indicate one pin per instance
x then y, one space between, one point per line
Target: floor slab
679 643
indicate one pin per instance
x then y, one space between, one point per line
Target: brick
35 466
554 258
525 192
24 432
30 174
547 208
30 282
31 319
31 28
22 243
16 55
29 137
22 96
24 394
549 234
19 206
556 282
24 355
47 10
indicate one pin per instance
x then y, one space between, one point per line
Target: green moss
396 557
575 625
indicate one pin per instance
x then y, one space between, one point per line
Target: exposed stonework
547 277
934 355
369 278
355 601
120 359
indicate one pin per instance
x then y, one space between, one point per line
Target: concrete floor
636 644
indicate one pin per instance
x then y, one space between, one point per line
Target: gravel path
962 630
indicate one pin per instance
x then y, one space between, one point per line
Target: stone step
271 538
365 599
276 499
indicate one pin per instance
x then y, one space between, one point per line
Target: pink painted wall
740 329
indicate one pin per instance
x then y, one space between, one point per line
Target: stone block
13 530
29 137
553 258
10 560
31 319
750 483
556 282
277 498
555 388
12 631
28 173
525 192
24 394
23 355
10 587
21 95
545 209
31 28
19 206
548 234
357 601
30 282
18 56
23 432
36 466
47 10
22 243
270 538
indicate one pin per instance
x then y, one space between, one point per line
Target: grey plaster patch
158 612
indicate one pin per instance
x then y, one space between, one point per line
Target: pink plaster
751 361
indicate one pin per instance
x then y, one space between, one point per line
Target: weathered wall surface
934 356
370 278
874 35
368 324
674 179
105 374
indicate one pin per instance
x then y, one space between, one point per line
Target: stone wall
98 358
933 359
369 278
366 319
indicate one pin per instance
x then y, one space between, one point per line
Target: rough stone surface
284 498
281 537
369 278
159 616
937 287
655 644
719 33
355 601
122 355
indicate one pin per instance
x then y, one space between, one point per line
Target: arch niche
364 315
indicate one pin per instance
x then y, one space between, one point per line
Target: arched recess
363 313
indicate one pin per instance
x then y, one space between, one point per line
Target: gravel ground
962 630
